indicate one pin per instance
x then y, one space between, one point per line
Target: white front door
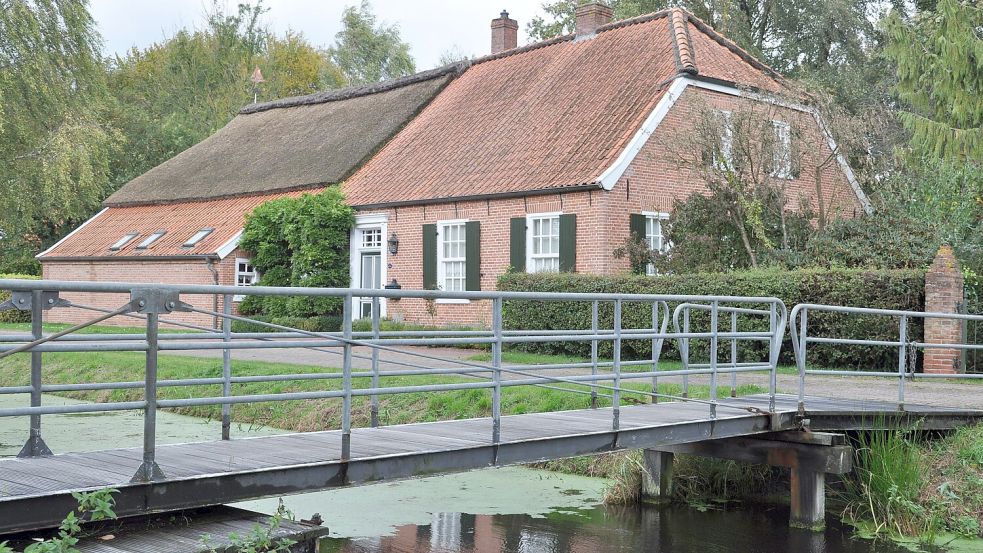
368 265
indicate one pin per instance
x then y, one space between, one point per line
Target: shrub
888 289
299 241
14 315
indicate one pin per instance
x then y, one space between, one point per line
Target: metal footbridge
625 407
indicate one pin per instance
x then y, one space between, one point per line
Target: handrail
151 303
906 370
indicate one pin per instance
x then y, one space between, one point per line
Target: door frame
368 221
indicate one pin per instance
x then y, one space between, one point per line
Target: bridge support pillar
657 476
808 499
810 456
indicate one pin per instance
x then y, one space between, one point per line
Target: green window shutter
517 244
472 248
636 225
430 257
568 243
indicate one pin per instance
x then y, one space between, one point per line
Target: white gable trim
70 234
229 246
612 174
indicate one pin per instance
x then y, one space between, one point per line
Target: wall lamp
393 244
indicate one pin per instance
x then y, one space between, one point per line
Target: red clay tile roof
180 220
548 116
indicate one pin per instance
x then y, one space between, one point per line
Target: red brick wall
943 293
150 271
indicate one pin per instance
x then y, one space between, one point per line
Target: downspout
210 263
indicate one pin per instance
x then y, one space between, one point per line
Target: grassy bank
63 368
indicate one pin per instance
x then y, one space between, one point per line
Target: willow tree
939 57
368 51
54 145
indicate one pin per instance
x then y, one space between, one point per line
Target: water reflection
675 529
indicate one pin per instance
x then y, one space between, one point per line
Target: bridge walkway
35 492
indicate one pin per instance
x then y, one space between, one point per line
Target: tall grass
886 484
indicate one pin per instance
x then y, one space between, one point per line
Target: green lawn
50 328
310 414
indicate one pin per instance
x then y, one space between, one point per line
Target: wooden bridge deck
36 493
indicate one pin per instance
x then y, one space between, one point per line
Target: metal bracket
23 301
35 447
155 300
148 472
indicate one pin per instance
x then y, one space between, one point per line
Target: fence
151 305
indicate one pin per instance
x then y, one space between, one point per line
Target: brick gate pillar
943 294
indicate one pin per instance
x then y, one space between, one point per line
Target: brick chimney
590 17
505 33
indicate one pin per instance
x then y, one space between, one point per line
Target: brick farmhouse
539 158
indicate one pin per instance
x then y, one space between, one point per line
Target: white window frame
122 242
661 217
197 237
530 257
150 240
782 154
441 271
254 273
726 160
363 222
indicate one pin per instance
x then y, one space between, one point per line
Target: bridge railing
905 346
154 305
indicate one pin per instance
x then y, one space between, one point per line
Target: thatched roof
293 143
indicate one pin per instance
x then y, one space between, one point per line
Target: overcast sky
431 27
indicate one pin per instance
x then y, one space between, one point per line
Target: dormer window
151 239
198 237
123 241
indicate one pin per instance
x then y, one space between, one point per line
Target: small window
372 238
151 239
123 241
782 163
654 236
544 244
723 158
246 275
198 237
451 257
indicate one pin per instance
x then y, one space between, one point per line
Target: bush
323 323
14 315
299 241
887 289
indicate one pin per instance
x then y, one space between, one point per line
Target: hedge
14 315
887 289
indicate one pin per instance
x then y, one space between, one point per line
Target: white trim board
612 174
229 246
70 234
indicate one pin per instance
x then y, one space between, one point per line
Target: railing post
684 351
497 364
656 350
714 316
375 360
35 446
346 407
227 366
902 359
733 354
616 367
594 327
149 470
774 348
801 361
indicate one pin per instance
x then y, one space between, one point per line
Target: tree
745 159
368 52
794 36
939 57
55 146
174 94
